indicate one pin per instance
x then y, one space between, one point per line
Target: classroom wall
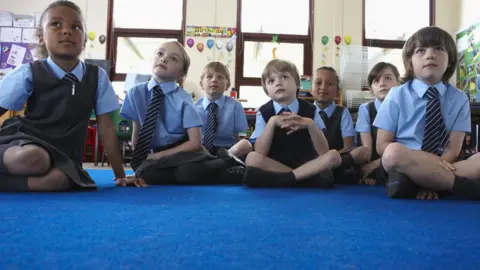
331 18
469 12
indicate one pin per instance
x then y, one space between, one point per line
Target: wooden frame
390 44
306 40
115 33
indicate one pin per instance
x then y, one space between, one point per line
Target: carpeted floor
229 227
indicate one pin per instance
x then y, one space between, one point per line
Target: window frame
390 44
115 33
306 40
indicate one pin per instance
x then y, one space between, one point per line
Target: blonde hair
280 65
219 67
42 52
186 60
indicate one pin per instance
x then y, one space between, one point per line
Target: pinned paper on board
4 72
38 16
34 54
28 35
17 53
10 34
6 19
25 21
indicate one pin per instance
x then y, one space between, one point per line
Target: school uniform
366 115
403 112
58 109
297 148
177 114
230 120
339 124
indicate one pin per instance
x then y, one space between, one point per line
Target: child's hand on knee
447 165
130 180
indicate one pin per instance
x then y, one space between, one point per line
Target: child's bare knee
253 158
246 145
28 159
393 156
333 158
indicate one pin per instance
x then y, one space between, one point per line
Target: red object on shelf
90 143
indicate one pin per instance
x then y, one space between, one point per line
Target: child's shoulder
231 102
456 94
138 88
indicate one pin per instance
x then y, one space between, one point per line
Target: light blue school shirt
363 119
16 87
403 111
346 124
293 107
230 116
177 114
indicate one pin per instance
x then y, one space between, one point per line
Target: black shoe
232 175
233 160
400 186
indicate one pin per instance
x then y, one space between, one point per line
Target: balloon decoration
338 39
91 36
229 46
102 39
274 55
348 40
324 40
219 44
200 47
209 43
190 42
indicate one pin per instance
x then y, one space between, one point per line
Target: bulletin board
17 40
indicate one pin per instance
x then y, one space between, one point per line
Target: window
257 29
135 35
389 23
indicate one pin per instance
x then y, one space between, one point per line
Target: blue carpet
229 227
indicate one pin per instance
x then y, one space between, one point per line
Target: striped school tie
436 134
70 78
144 142
324 117
211 127
283 110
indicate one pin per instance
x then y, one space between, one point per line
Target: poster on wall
211 31
468 67
15 54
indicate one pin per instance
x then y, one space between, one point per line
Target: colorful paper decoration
324 40
275 39
190 42
274 55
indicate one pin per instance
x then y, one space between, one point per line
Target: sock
400 186
347 162
320 180
256 177
13 183
465 187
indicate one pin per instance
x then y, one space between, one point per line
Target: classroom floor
230 227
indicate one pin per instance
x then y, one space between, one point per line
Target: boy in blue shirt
290 147
422 123
43 151
223 116
337 119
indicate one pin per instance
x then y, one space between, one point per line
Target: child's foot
367 181
223 153
400 186
256 177
427 195
233 175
